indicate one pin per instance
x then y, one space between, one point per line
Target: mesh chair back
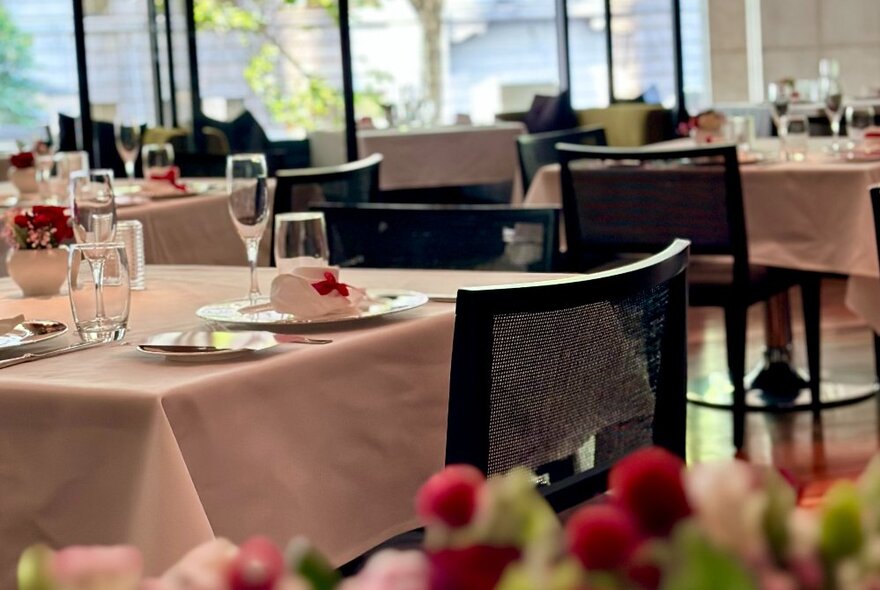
638 200
354 182
486 237
568 376
539 149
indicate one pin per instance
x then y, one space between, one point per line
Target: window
587 55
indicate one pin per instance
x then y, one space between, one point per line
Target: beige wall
795 35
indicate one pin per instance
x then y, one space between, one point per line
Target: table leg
775 384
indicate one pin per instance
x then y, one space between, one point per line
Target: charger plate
379 302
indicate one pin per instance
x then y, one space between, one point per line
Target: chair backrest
353 182
617 200
486 237
875 204
567 376
539 149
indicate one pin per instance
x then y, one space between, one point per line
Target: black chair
486 237
353 182
539 149
568 376
875 204
619 202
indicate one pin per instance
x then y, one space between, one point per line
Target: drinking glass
128 142
157 159
796 138
53 173
93 215
300 240
249 206
832 100
858 119
98 287
780 94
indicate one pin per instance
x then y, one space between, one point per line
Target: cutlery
35 356
196 348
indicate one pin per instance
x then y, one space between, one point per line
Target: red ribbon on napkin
330 284
171 176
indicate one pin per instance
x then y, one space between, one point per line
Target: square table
108 445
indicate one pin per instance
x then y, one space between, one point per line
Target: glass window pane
587 55
695 55
432 62
643 50
279 61
38 76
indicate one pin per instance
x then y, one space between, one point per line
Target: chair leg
811 293
735 328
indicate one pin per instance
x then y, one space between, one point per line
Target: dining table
110 445
811 215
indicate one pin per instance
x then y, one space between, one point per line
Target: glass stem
253 250
129 169
98 276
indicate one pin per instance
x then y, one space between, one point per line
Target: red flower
21 220
648 483
603 537
478 567
450 496
258 565
22 160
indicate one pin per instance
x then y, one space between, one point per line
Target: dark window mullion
156 66
84 130
609 57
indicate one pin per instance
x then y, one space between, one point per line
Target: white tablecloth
814 215
108 445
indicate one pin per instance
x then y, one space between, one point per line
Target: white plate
31 332
380 302
200 347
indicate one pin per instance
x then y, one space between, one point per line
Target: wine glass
128 142
249 206
780 94
858 118
832 100
93 216
300 240
157 159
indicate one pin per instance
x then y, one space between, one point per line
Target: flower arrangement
727 526
38 228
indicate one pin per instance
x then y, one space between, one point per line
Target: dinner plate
379 302
31 332
200 347
856 156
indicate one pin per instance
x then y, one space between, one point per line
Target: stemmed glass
128 142
300 240
248 206
832 99
93 215
780 94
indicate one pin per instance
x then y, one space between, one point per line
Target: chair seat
710 280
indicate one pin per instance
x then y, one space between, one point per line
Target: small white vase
38 272
24 179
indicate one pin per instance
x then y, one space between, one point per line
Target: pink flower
648 483
203 568
392 570
450 497
258 565
603 537
95 567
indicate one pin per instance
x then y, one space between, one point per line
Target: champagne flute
780 94
249 206
128 142
93 215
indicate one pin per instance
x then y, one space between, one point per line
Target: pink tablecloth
109 445
813 215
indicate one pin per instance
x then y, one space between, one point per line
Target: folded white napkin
7 324
314 291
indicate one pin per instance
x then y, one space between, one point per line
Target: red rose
258 565
42 220
21 220
478 567
22 160
648 483
450 496
603 537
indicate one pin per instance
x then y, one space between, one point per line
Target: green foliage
299 101
700 565
841 534
17 102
